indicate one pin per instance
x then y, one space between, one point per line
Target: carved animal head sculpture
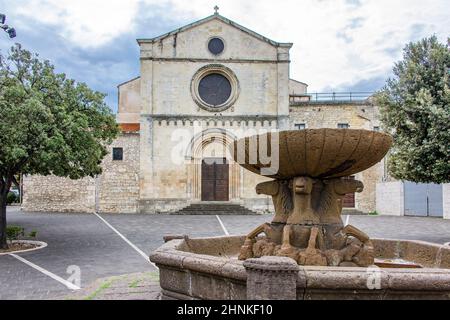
281 195
270 188
345 186
302 185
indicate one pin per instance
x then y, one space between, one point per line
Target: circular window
216 46
214 89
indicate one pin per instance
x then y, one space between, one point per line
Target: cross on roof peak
216 9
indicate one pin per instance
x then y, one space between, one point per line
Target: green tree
415 108
48 124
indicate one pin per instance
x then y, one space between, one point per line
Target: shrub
12 198
14 232
33 234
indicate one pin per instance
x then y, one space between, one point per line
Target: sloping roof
224 20
290 79
128 81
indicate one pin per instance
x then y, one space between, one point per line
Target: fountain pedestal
307 226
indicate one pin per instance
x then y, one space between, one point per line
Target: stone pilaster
271 278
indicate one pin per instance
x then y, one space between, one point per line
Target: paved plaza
105 246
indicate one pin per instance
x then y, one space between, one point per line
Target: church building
200 87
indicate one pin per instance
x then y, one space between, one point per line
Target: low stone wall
207 268
116 190
55 194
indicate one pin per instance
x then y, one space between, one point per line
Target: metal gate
424 200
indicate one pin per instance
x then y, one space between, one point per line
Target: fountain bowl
317 153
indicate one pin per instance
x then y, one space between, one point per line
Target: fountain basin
317 153
208 268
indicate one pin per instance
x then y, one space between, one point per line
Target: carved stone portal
307 226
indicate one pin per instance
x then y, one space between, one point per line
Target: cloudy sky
339 45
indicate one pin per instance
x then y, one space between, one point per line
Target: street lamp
9 30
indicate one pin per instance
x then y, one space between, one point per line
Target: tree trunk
4 189
3 242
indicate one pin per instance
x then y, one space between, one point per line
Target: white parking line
223 226
68 284
347 220
127 241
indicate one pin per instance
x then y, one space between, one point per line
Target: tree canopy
49 124
415 108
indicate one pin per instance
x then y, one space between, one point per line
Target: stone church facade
200 87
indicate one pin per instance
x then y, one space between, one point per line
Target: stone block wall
118 186
55 194
115 191
366 200
358 116
329 114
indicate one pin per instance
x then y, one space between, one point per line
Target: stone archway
211 143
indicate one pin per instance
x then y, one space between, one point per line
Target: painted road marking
127 241
223 226
347 220
68 284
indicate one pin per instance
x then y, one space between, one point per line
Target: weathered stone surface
225 246
205 264
55 194
208 287
309 192
324 148
443 258
175 280
319 283
421 253
340 277
116 190
419 280
271 278
388 249
234 270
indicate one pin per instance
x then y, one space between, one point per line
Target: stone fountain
310 184
305 252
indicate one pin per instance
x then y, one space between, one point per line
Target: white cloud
319 56
87 23
337 43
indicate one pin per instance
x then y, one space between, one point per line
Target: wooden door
349 200
215 182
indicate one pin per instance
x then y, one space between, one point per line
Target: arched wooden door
215 179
